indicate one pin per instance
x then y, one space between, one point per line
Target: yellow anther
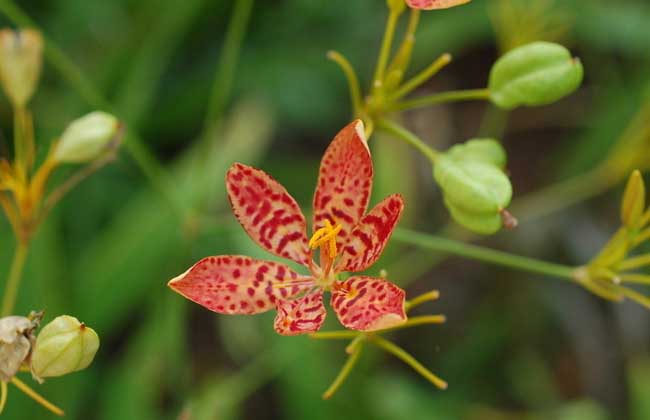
326 236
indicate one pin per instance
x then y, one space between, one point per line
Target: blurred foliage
514 347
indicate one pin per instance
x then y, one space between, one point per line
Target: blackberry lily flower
434 4
348 240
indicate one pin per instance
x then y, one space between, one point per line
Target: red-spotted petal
344 181
300 316
370 235
270 216
434 4
368 304
234 284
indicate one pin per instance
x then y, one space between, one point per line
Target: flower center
325 238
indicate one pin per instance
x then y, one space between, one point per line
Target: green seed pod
20 64
87 138
16 342
534 74
483 223
64 345
476 191
633 200
482 150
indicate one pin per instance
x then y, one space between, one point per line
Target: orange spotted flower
346 238
434 4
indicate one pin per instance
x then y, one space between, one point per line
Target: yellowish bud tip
20 63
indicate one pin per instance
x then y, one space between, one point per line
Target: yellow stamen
325 238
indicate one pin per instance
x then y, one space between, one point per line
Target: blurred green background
516 346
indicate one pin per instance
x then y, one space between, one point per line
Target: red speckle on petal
300 316
267 212
360 307
370 236
344 180
238 285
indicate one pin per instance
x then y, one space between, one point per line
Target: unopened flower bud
534 74
633 203
474 186
87 138
63 346
16 342
20 64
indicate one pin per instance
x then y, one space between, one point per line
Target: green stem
487 255
36 396
344 373
563 194
3 396
386 45
409 360
440 98
421 77
13 281
353 80
334 335
423 298
419 320
223 81
149 165
403 134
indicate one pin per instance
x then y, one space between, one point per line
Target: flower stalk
37 397
13 280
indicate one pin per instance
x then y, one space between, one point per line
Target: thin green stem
636 296
401 354
358 340
440 98
384 52
227 67
419 320
423 298
334 335
448 246
421 77
353 80
563 194
36 396
634 262
13 280
404 134
344 373
402 57
3 396
635 278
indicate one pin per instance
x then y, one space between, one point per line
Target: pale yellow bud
20 64
64 346
16 341
87 138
